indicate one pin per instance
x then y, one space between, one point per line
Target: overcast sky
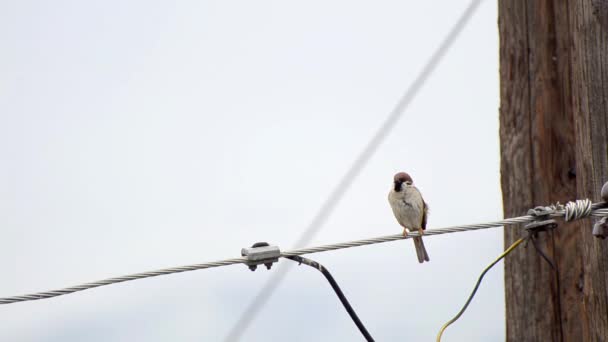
137 135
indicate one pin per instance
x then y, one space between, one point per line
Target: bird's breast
407 207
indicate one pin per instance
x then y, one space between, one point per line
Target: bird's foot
421 231
404 232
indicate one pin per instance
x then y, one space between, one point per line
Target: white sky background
138 135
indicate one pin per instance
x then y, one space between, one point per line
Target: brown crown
402 177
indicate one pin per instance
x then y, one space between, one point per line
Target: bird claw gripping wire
261 253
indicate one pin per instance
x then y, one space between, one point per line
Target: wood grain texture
553 131
589 27
516 169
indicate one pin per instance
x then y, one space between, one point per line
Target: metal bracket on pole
600 228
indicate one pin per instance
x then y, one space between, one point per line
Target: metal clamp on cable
261 253
543 222
540 226
541 212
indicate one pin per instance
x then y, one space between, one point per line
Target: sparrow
410 210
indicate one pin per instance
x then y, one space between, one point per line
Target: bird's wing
425 214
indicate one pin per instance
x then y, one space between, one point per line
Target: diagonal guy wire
345 182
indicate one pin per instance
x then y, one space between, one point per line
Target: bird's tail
420 250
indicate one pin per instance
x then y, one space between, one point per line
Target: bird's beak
397 186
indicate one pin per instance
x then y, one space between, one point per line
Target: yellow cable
504 254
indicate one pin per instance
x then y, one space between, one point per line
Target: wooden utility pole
554 147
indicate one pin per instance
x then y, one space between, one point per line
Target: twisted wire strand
571 211
115 280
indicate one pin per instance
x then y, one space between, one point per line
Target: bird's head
400 179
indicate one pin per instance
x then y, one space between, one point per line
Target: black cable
558 287
339 293
542 254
